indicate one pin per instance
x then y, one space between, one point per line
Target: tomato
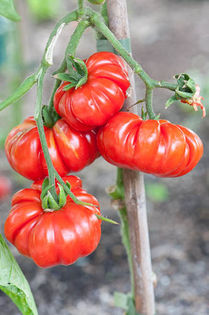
53 237
69 149
151 146
5 187
102 96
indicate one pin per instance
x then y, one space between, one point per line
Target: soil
168 37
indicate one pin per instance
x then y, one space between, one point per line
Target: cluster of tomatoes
91 124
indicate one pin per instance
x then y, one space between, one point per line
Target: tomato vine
185 90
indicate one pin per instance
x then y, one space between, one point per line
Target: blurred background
168 37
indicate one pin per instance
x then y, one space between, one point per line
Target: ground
168 37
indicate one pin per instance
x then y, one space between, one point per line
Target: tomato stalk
51 170
148 100
96 20
118 194
80 5
70 50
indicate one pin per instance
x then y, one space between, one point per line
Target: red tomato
69 149
151 146
5 187
53 237
103 95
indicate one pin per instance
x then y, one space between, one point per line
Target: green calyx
49 116
77 73
52 203
185 89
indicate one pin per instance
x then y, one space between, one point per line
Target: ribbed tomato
103 95
69 149
151 146
53 237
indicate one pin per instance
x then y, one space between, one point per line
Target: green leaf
126 302
157 117
65 77
170 101
22 89
7 10
14 283
68 87
106 219
131 307
76 63
120 300
143 113
62 198
157 192
183 94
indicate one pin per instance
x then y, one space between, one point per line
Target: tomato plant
56 221
69 150
102 96
53 237
151 146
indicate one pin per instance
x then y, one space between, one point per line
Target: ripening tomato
69 149
103 95
5 187
151 146
53 237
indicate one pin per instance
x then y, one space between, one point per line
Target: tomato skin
69 149
151 146
5 187
58 237
102 96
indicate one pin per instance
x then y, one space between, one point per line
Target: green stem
80 5
125 228
148 98
40 126
100 26
51 170
70 50
126 242
38 117
164 84
47 57
75 38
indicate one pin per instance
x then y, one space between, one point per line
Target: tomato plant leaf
126 302
8 10
157 192
14 283
170 101
120 300
22 89
131 307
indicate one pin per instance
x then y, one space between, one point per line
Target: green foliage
185 89
21 90
7 10
157 192
44 9
14 283
126 302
